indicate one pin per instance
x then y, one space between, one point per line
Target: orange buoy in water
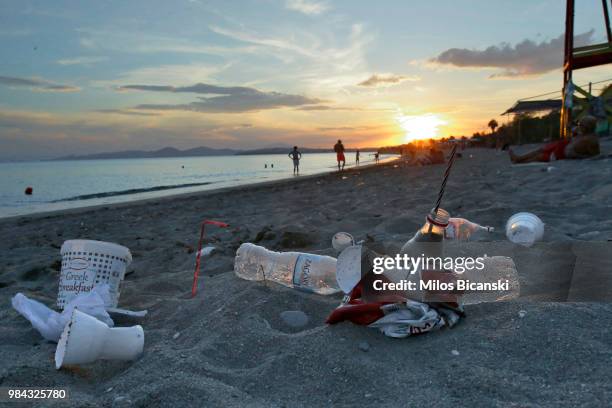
29 190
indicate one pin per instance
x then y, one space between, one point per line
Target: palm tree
493 124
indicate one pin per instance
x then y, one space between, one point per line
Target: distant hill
281 150
286 150
195 152
165 152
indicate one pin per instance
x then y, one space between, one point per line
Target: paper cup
86 264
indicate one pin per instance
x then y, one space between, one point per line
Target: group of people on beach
584 144
296 155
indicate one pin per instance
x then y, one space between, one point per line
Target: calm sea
70 184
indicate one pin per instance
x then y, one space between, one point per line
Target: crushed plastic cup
85 339
205 251
50 324
524 229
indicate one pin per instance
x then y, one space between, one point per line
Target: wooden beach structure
579 58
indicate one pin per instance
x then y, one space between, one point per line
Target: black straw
446 173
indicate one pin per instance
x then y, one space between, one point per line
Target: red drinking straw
196 272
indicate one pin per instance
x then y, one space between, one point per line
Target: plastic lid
348 268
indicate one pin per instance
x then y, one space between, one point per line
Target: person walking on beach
357 157
339 149
376 157
295 156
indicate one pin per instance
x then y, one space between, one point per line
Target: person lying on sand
295 155
586 144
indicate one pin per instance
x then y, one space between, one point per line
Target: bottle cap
439 218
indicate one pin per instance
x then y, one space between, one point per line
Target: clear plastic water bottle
309 272
465 230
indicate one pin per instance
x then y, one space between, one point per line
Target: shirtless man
295 156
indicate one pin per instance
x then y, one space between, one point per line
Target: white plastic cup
524 229
85 339
86 264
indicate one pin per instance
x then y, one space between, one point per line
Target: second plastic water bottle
309 272
465 230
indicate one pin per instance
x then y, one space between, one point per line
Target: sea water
66 184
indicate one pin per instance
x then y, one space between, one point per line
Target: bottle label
302 273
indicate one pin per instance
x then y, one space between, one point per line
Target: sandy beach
229 346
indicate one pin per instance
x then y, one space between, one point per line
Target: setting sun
419 126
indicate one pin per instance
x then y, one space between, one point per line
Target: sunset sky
83 77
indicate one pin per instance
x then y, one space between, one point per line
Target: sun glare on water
419 126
